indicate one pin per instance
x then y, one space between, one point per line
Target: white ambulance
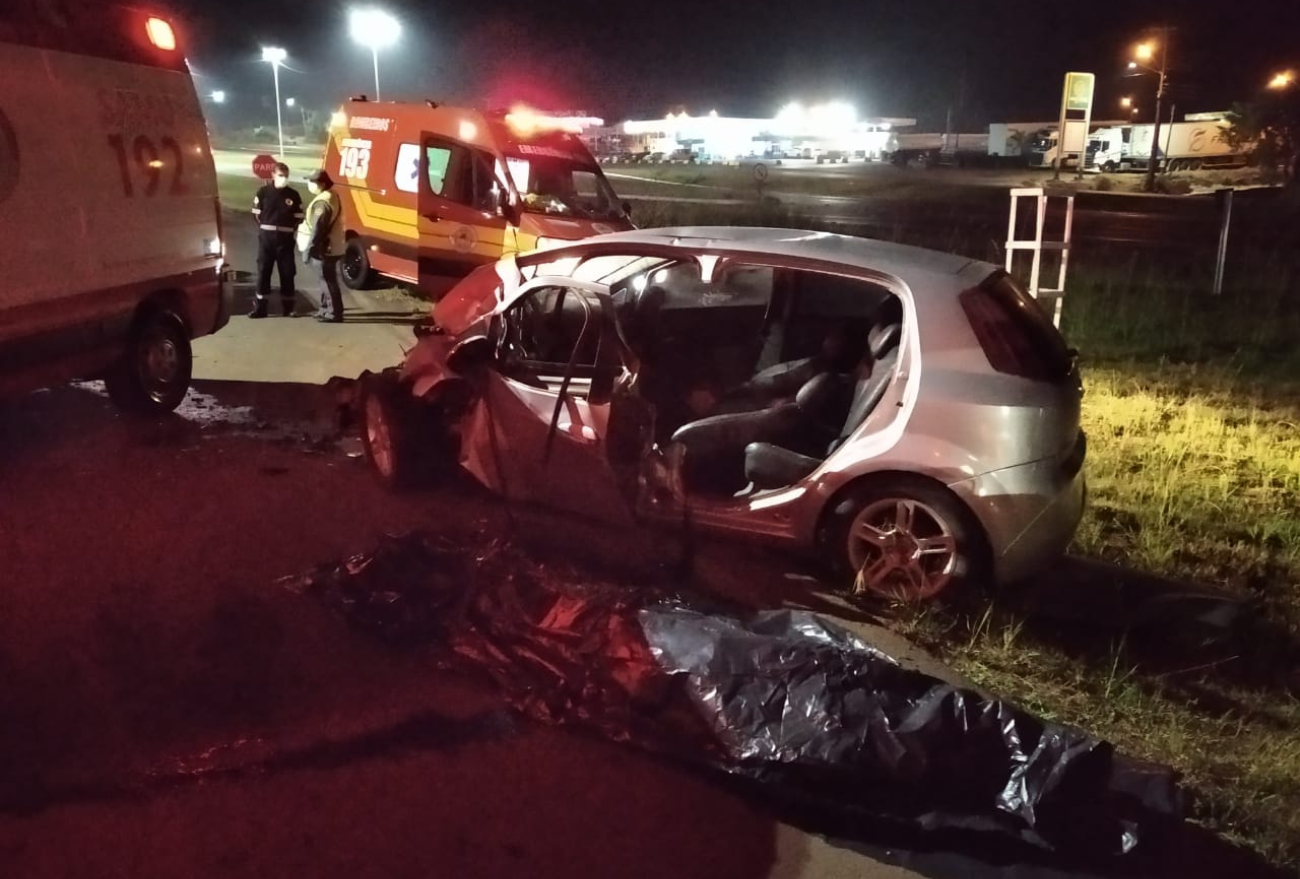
110 230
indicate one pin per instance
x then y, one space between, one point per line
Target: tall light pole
374 29
275 56
1146 53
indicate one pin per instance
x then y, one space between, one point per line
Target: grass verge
1194 473
236 191
1192 409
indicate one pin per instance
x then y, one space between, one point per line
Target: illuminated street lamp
289 102
1146 52
1283 80
275 56
374 29
1126 102
218 97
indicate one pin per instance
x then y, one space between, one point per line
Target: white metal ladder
1054 296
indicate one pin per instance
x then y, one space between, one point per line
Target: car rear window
1014 332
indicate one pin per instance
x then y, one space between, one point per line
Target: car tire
152 375
1110 167
905 538
388 429
354 268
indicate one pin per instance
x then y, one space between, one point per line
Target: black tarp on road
784 698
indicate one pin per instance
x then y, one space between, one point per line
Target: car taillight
1014 333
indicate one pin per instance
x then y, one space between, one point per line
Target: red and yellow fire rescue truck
430 192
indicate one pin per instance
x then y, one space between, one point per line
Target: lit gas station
827 132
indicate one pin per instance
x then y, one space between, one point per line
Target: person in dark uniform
321 240
278 209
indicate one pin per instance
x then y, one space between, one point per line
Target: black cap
320 176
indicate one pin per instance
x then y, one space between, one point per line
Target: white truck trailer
1184 146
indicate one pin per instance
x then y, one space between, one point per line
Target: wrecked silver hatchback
767 384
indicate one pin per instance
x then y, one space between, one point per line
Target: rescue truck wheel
354 267
152 375
387 431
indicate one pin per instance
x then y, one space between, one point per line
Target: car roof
901 260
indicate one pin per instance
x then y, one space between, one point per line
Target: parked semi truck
1184 146
1044 143
1045 148
1005 144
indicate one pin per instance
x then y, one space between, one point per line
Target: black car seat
768 465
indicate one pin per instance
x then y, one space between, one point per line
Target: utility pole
1163 73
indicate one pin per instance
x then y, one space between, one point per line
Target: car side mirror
627 209
470 354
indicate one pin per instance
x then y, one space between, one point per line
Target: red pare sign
264 166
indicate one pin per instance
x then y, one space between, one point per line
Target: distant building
725 138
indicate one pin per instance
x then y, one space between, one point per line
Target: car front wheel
386 432
907 540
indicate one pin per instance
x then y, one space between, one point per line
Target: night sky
642 59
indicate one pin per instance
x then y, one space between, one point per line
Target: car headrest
884 339
818 392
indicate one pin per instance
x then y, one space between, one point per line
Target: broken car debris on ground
784 698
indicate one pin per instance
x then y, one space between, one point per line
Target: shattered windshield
561 183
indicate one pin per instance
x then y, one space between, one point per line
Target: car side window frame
608 356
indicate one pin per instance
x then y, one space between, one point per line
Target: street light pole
374 29
275 57
1163 73
279 123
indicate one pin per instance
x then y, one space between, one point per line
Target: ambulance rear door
462 210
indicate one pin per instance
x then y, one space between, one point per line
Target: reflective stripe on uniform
277 228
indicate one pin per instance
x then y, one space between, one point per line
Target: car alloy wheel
379 437
902 548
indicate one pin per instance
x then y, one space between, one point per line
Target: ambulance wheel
354 267
152 375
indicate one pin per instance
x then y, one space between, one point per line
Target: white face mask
313 188
280 182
